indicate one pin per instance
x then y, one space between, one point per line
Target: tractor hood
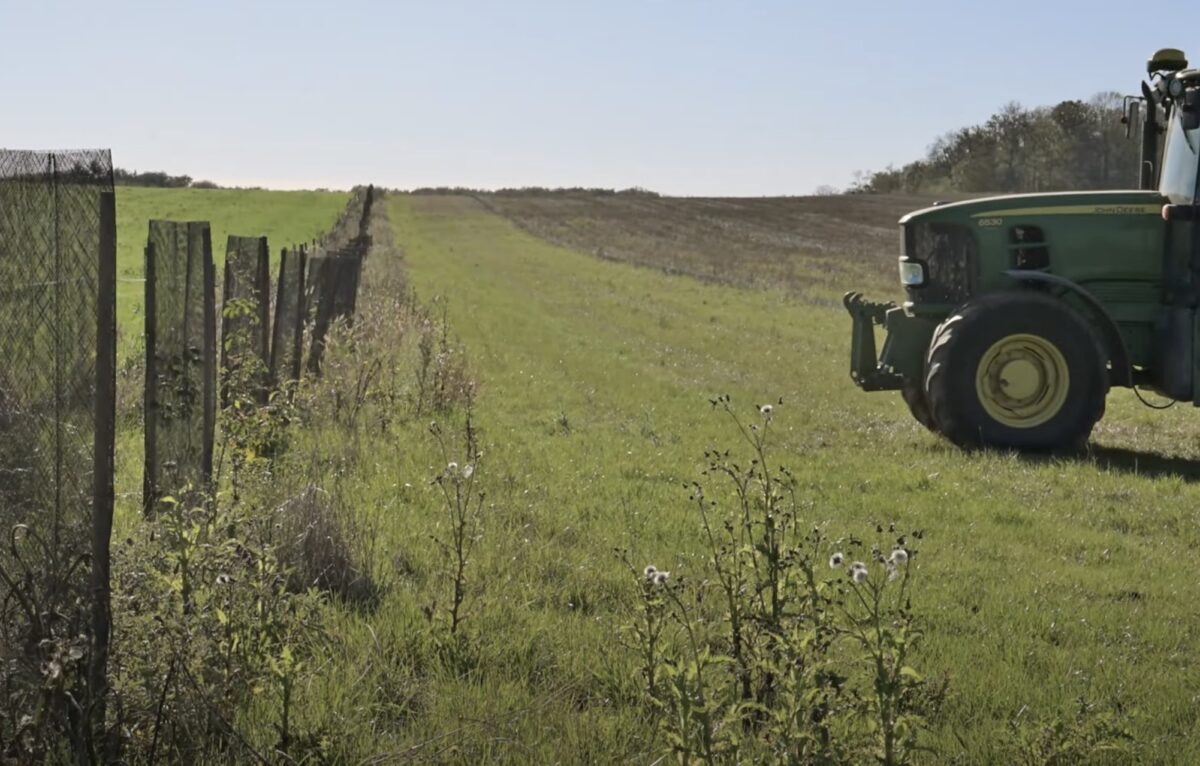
1058 203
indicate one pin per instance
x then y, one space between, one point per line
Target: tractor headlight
912 273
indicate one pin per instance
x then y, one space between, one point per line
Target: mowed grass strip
1041 581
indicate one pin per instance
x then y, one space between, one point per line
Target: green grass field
1040 582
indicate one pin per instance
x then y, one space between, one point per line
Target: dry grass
324 547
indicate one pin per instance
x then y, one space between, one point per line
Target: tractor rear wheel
1017 369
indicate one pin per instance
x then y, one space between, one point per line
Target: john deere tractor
1022 311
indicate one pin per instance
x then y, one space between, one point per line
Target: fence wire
332 296
180 407
57 407
335 271
288 330
246 311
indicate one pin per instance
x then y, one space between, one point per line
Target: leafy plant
464 512
782 650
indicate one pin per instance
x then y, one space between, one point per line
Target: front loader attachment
903 352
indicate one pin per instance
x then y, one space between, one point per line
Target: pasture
1052 592
1055 595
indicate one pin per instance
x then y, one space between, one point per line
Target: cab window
1027 248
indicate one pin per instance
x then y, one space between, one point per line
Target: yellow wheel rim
1022 381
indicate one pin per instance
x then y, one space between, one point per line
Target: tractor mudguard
1121 373
903 352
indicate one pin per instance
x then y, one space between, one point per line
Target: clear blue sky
737 98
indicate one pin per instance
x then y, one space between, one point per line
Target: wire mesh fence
317 310
333 295
351 232
287 332
57 416
335 271
180 405
57 401
246 311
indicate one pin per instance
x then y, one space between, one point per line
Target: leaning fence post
248 278
288 330
262 290
209 353
180 403
321 283
150 393
103 466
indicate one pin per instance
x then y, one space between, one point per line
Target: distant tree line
535 191
1072 145
159 180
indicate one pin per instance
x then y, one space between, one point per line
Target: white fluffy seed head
661 578
858 572
766 410
836 560
649 571
468 470
899 556
452 468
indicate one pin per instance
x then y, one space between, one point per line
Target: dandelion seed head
766 410
452 468
899 556
858 572
836 560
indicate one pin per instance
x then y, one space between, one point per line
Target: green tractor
1023 310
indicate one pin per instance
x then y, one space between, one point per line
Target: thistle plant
464 511
787 646
878 622
679 684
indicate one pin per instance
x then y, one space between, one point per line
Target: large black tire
963 342
913 393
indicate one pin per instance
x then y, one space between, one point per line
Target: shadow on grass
1118 460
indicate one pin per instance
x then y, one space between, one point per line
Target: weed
464 510
1091 734
442 380
206 617
774 670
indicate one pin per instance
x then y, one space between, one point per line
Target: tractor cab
1022 311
